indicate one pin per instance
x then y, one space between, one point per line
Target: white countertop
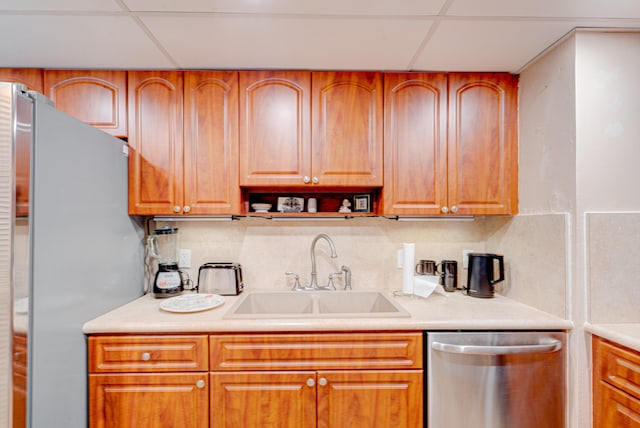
437 312
627 334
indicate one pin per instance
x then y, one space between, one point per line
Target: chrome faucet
314 274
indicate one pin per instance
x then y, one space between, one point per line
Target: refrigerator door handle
551 346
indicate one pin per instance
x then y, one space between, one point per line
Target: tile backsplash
534 247
268 248
613 242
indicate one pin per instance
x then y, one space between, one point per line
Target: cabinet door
30 77
263 399
96 97
370 399
483 144
19 375
149 400
347 128
275 136
415 148
155 142
211 143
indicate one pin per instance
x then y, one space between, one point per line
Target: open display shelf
363 203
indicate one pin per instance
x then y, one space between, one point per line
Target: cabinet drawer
316 351
619 367
110 354
616 409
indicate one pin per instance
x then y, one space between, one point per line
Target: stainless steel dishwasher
496 380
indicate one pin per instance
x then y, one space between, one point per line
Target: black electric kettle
481 276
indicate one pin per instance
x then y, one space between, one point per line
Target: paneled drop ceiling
446 35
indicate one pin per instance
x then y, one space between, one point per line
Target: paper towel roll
408 255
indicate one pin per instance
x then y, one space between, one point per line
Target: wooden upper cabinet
415 149
96 97
155 142
211 183
483 143
347 126
275 133
30 77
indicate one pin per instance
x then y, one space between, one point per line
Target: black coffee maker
482 276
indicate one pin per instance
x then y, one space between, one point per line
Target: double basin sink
312 304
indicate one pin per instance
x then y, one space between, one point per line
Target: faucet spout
314 274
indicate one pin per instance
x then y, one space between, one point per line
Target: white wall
547 140
608 121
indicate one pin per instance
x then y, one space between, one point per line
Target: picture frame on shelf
362 203
289 204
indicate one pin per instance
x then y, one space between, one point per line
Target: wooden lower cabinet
150 400
263 399
323 399
370 399
271 380
616 385
19 381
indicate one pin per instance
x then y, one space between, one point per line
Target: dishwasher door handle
551 346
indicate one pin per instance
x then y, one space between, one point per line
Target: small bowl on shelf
261 208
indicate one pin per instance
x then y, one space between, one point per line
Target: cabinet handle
187 208
306 179
323 381
454 209
315 180
200 383
146 356
444 210
176 208
310 382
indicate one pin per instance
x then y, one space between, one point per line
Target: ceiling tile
61 5
487 46
326 7
547 8
280 42
68 42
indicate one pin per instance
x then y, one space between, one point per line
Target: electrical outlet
465 258
184 258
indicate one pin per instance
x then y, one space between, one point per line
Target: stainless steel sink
321 304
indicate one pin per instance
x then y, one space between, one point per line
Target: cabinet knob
311 382
200 383
454 209
323 381
444 210
146 356
187 208
176 209
306 179
315 180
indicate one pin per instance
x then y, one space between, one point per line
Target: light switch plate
184 258
465 258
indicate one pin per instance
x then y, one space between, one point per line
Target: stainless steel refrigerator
68 253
